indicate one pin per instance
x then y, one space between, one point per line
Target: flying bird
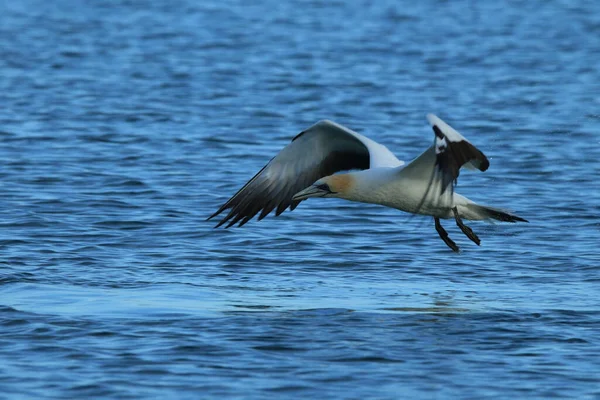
309 167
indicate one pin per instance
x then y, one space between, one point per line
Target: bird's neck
371 185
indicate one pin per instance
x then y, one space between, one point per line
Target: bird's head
329 186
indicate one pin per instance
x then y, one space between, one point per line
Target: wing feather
322 150
452 151
440 164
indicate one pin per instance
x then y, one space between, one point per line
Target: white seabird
307 168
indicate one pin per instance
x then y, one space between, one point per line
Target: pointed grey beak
311 191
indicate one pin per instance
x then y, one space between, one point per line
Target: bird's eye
324 187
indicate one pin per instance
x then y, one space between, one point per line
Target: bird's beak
311 191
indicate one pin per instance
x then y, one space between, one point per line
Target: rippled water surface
124 124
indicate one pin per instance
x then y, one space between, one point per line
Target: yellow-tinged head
329 186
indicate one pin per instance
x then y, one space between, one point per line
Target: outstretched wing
440 164
452 151
322 150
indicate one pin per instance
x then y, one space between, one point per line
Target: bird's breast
412 197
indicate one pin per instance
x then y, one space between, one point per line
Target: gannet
309 167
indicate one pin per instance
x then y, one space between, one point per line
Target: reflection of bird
305 168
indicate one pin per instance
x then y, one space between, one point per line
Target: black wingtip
219 211
221 222
485 164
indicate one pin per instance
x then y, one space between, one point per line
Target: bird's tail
476 211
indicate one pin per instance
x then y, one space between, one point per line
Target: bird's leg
444 235
466 230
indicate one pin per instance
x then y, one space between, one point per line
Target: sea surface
124 124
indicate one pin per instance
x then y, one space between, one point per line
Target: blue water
124 124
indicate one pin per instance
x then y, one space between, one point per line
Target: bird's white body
382 186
